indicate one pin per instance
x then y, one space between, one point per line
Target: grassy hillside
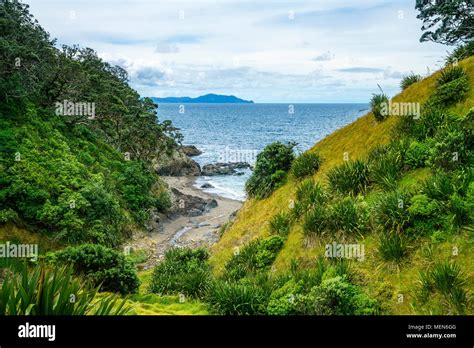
378 278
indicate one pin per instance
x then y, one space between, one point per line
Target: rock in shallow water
190 150
223 168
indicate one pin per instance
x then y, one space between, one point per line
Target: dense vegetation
246 288
77 147
270 170
41 290
407 199
80 177
101 266
406 193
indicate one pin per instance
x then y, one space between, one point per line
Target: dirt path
196 231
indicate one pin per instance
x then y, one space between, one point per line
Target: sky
268 51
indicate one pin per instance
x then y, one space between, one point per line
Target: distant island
208 98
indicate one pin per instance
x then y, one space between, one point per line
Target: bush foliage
103 266
270 169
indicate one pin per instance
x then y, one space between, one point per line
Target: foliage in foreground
184 271
446 279
43 290
103 266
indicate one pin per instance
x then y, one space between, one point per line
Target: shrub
308 194
453 85
280 224
452 92
450 74
255 256
346 216
315 221
290 294
101 265
285 300
424 214
392 247
449 150
336 296
242 263
163 201
461 52
460 212
305 165
352 177
438 237
422 206
408 80
446 276
391 210
183 271
432 118
417 154
229 298
386 169
270 169
447 279
47 291
438 187
379 106
268 250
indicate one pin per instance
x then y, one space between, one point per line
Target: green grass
380 279
145 303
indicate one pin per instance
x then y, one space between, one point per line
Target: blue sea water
237 132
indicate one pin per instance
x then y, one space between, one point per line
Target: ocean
238 132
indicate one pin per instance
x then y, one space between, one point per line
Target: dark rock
223 168
207 185
153 223
190 150
177 164
188 205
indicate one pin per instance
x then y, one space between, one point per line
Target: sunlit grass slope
382 280
145 303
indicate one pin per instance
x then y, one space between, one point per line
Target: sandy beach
181 231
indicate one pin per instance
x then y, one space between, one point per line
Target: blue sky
264 50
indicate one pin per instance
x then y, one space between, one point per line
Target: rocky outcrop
206 185
188 205
190 150
177 164
224 168
154 220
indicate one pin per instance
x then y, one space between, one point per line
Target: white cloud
330 51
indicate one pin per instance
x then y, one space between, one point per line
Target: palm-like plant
42 290
410 79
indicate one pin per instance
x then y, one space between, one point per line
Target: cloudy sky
264 50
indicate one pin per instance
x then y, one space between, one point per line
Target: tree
448 22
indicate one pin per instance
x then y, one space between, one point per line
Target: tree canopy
448 22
